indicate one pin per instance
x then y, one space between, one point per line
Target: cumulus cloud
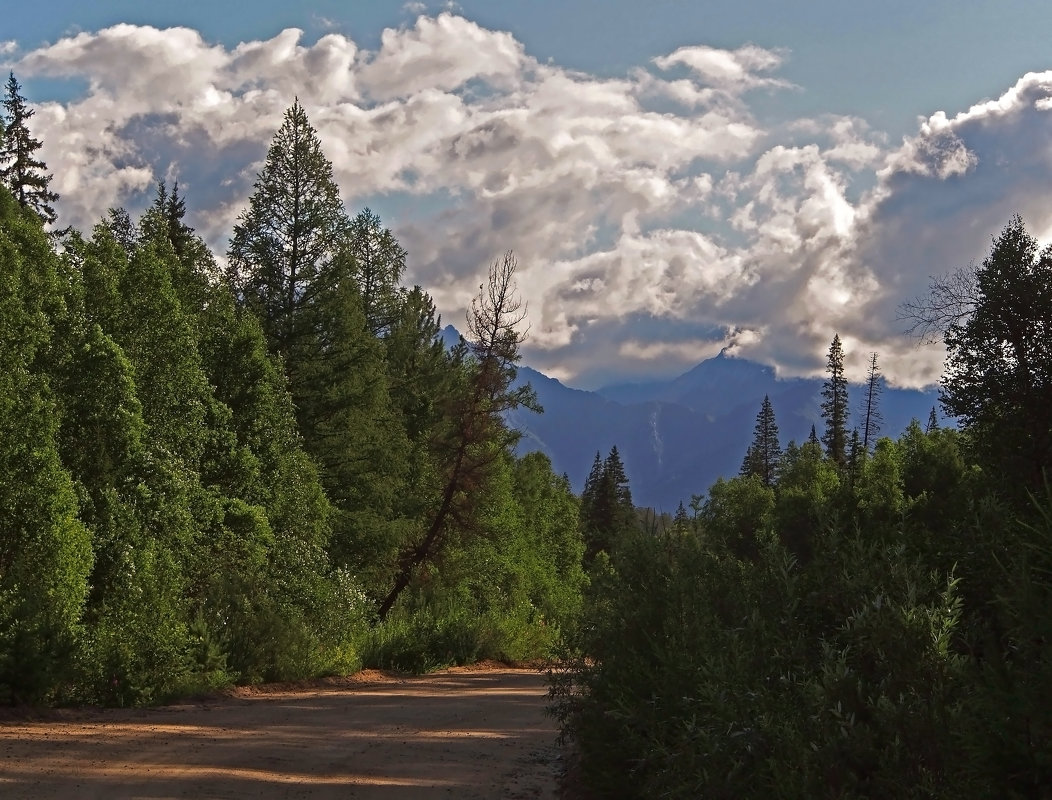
730 70
655 220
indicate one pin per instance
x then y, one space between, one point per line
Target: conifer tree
681 520
856 453
834 405
607 511
870 411
24 174
378 262
933 422
765 452
749 465
351 428
999 360
591 487
291 233
293 262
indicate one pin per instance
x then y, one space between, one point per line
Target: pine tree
765 452
856 453
24 174
994 320
293 261
607 511
749 465
870 411
378 262
933 422
812 437
353 432
589 492
292 232
834 405
681 521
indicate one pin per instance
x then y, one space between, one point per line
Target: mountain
677 436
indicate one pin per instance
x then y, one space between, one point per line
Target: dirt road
454 734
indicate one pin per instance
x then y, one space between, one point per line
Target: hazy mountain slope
678 436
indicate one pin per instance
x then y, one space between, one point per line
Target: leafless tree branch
951 299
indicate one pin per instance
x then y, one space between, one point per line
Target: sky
675 178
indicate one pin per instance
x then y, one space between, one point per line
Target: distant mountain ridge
677 436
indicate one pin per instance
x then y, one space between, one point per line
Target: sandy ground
455 734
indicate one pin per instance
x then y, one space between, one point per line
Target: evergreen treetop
291 234
20 170
834 405
764 454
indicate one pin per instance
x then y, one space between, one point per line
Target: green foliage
765 453
826 658
508 591
999 360
607 512
737 514
45 553
199 486
834 405
20 170
1007 723
807 486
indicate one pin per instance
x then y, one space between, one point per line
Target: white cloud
442 54
730 70
647 238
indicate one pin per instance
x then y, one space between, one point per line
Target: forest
269 466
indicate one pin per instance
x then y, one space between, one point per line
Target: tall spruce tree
764 454
378 261
933 421
20 170
293 264
291 233
872 419
834 405
607 511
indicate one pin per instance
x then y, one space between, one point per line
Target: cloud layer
655 219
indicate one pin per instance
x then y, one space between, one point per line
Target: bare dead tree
871 416
477 436
951 299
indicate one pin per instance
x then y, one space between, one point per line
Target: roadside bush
698 674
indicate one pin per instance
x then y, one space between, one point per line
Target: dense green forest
850 616
269 471
275 469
